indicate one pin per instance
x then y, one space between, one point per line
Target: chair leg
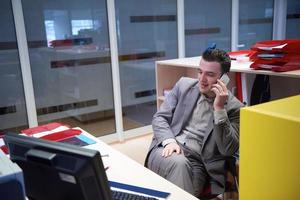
233 195
236 183
226 196
236 196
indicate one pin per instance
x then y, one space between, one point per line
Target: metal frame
234 25
280 13
181 28
115 68
24 62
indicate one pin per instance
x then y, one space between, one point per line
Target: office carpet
135 148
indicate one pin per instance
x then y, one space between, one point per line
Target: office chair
231 184
232 187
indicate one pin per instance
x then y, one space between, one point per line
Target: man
196 128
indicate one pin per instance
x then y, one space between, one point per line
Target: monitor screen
59 171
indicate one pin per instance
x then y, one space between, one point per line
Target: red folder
43 128
3 147
269 58
58 136
59 43
286 67
235 55
276 66
288 46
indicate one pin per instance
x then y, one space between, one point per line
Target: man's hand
170 148
221 92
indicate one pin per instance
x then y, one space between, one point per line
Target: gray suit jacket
220 141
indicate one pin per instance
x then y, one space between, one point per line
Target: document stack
59 133
276 55
54 131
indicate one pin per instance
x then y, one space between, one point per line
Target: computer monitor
59 171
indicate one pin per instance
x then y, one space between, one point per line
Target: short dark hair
220 56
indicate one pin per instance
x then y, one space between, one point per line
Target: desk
169 71
125 170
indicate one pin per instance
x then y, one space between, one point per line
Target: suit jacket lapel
190 100
210 127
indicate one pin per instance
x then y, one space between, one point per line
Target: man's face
208 74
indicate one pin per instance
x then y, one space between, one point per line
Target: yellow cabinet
270 150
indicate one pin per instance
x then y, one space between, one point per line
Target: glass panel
146 32
255 22
293 19
13 115
207 22
70 60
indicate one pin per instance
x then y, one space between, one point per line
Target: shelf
168 72
236 66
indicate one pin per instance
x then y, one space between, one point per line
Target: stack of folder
45 129
276 55
59 133
54 132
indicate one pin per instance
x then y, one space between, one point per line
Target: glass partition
13 115
146 32
255 22
207 22
293 19
70 61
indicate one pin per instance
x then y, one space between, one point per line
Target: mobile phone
225 79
